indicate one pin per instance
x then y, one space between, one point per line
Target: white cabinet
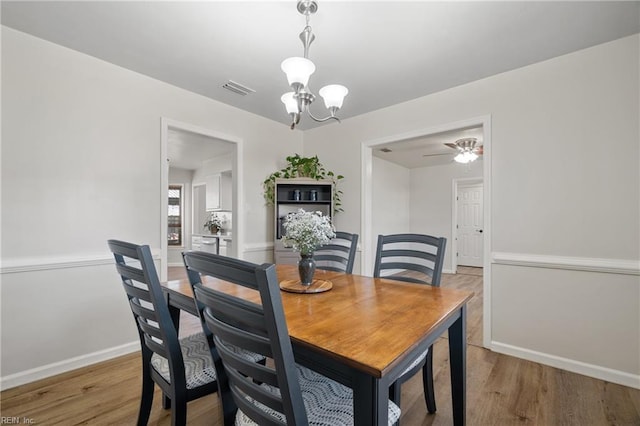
196 242
213 192
209 245
225 246
204 243
226 191
220 191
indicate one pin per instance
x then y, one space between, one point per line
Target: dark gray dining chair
280 392
414 258
226 400
339 255
182 368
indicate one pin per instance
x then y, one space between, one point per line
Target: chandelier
299 69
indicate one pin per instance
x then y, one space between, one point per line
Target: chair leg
427 381
146 399
229 407
179 411
395 393
166 401
225 398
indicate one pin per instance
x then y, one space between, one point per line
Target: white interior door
470 230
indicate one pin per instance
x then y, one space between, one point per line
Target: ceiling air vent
237 88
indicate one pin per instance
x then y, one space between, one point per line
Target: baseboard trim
611 266
45 371
257 247
591 370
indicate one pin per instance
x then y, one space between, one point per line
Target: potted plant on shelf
213 224
305 232
309 167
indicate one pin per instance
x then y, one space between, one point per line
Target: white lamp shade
333 95
298 70
290 103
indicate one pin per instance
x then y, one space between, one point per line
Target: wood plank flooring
501 390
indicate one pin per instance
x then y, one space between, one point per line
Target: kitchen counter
218 235
212 243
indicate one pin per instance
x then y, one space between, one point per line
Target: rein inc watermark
16 420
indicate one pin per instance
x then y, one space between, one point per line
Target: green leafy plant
213 223
309 167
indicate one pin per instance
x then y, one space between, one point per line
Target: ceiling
425 151
186 150
384 52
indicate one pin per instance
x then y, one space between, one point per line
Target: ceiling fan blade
434 155
452 145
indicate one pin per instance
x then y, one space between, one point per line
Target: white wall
432 200
391 200
81 164
565 194
212 166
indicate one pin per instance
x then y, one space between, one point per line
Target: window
174 219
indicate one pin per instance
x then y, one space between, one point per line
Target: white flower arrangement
306 231
213 221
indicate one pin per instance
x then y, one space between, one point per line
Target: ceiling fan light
290 103
465 157
460 158
298 70
333 95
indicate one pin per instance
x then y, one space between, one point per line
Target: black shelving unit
291 195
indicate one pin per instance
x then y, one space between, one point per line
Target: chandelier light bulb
290 103
333 95
298 70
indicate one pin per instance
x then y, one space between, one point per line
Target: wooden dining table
363 333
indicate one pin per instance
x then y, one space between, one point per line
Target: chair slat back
224 269
339 255
140 281
259 328
415 258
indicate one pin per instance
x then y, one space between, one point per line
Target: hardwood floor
501 390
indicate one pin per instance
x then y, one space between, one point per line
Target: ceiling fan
467 149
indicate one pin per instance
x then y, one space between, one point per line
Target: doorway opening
207 164
467 230
440 219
